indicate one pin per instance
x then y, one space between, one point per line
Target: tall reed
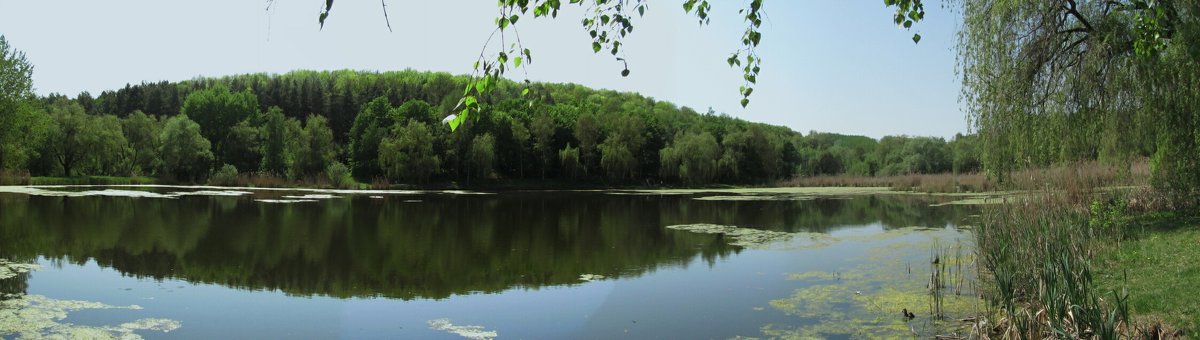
1038 252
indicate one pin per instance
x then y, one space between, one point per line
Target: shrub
226 176
339 175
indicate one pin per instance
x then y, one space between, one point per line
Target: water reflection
425 246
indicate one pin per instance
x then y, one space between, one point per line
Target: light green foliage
543 136
964 152
226 176
16 93
587 132
618 153
275 139
417 110
482 157
339 176
568 159
185 153
692 158
1049 82
216 109
314 148
407 153
143 133
105 149
64 142
520 137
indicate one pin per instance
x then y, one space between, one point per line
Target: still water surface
430 265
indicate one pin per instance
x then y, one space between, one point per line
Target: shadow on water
422 246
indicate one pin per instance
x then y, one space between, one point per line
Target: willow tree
1060 80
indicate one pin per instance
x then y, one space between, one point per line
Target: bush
339 175
226 176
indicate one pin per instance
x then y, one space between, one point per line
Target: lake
178 262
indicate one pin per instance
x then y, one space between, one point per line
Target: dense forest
353 126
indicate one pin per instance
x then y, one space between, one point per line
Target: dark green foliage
143 133
407 153
242 146
565 132
370 126
185 153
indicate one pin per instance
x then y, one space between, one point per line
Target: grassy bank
1160 267
1107 267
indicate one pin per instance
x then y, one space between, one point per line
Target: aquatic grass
1038 253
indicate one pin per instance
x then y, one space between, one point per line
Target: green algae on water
590 277
743 237
10 270
469 332
39 317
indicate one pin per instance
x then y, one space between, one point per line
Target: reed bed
1038 255
1078 179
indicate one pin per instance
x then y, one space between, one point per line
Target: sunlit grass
1161 270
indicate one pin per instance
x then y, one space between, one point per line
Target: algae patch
285 200
590 277
757 198
10 270
311 197
469 332
744 237
866 300
37 316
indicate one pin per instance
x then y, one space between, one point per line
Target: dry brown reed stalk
934 183
14 177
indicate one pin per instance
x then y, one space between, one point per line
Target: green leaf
916 38
454 123
745 102
595 47
625 73
525 92
517 61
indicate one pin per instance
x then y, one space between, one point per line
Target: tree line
348 126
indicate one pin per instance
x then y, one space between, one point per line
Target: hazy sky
838 66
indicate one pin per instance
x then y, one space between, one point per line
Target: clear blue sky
837 66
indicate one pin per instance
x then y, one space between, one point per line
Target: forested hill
387 127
